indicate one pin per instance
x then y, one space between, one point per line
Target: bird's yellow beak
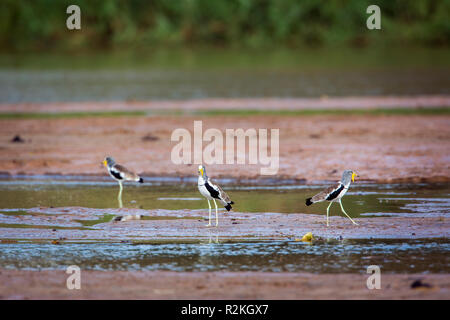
105 163
353 176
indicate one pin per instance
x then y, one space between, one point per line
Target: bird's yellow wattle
105 163
353 176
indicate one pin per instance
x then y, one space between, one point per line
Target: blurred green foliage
41 24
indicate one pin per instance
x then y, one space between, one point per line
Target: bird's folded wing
222 193
321 196
124 172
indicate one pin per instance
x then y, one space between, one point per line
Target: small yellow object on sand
308 237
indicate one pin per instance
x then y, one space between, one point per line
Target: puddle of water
350 256
361 201
20 202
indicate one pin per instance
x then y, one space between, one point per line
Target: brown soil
21 284
380 148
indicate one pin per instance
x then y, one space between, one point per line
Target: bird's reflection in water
213 239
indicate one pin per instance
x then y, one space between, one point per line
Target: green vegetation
235 112
40 25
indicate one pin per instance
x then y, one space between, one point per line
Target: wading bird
120 173
212 191
335 193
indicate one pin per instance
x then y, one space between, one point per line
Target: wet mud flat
163 250
72 223
381 148
51 284
163 227
266 103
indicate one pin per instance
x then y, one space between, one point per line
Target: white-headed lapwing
335 192
212 191
120 173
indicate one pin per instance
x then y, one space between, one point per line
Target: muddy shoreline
313 148
188 178
51 284
383 149
179 225
322 103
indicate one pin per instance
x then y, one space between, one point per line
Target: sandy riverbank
394 148
51 284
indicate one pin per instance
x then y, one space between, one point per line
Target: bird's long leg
342 208
119 196
209 223
328 210
217 215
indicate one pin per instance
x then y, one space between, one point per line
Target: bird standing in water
335 193
212 191
120 173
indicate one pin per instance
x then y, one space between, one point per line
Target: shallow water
20 199
79 86
362 200
198 74
349 256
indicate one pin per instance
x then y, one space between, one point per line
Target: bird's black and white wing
116 173
328 194
217 192
120 172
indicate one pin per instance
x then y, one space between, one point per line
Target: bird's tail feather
228 206
141 180
309 202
